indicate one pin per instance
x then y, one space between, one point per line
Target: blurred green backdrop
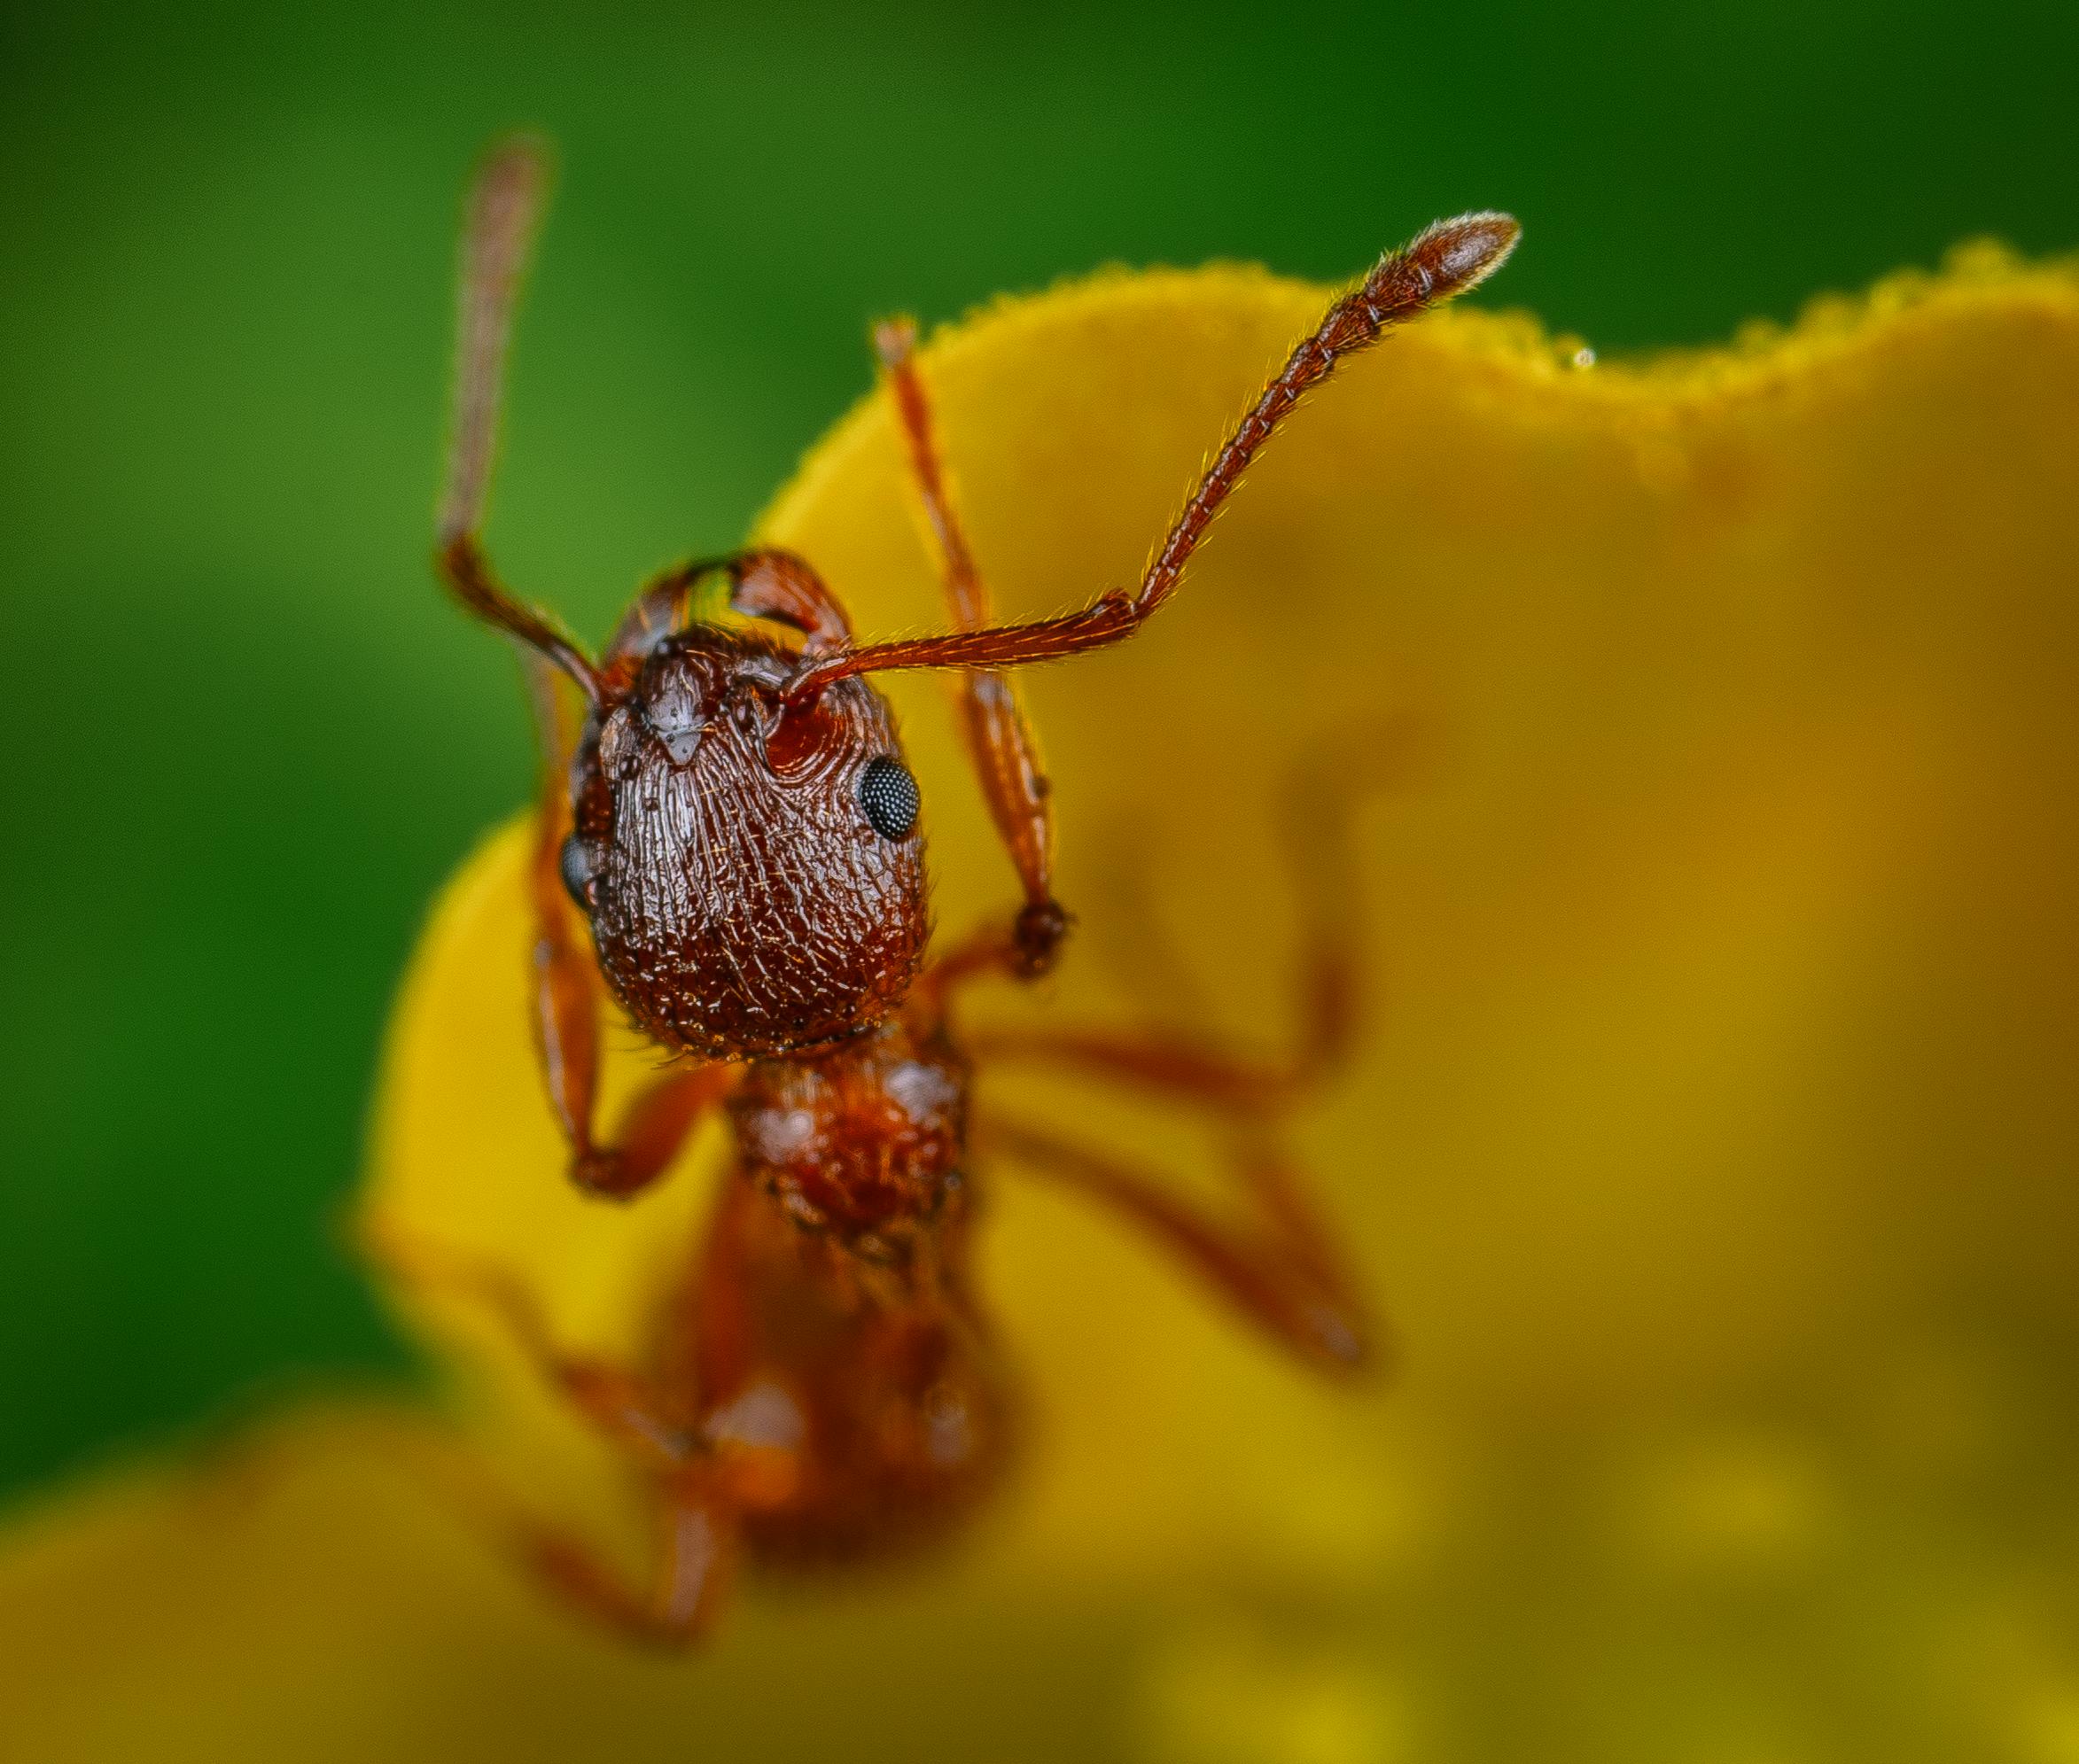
246 737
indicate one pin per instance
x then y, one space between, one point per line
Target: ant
733 821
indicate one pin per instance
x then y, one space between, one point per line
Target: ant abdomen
750 891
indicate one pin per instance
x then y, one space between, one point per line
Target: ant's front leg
999 734
505 205
567 1001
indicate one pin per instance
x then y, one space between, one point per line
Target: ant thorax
864 1144
753 869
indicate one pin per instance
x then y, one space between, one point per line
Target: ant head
751 866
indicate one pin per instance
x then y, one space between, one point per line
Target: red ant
736 824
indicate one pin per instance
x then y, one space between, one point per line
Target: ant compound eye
889 795
576 864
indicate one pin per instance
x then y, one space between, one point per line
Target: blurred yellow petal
1711 1150
308 1597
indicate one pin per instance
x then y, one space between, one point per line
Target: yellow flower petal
1710 1150
308 1596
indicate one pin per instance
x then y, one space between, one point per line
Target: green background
246 738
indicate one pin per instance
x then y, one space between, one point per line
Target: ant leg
1290 1277
1318 805
1189 1067
693 1556
1177 1066
999 734
1443 261
623 1407
693 1569
655 1126
504 207
567 1000
1281 1275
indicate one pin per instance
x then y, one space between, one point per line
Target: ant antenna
1445 261
505 206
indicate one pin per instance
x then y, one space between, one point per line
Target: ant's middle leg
1319 804
1278 1271
999 735
1284 1272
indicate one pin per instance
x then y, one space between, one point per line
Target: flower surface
1709 1146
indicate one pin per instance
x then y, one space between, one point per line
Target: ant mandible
735 823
